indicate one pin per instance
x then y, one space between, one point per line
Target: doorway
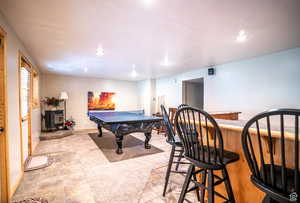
25 95
3 122
193 92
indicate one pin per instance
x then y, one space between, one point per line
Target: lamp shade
63 95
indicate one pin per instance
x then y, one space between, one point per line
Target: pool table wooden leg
148 137
119 140
100 130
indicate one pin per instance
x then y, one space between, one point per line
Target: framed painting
101 101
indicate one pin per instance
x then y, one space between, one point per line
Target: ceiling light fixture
99 51
242 36
133 72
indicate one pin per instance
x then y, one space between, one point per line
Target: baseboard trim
14 187
84 131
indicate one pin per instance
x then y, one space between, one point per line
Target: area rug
132 147
33 200
37 162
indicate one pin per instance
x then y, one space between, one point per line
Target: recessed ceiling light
133 72
242 36
99 51
148 2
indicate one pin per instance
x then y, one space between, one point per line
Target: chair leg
203 182
197 190
211 189
179 159
169 169
228 186
186 183
268 199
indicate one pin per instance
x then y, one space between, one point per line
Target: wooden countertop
238 125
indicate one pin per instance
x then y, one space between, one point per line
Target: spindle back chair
265 148
170 130
182 105
201 137
176 152
203 147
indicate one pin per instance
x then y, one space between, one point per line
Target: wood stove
54 120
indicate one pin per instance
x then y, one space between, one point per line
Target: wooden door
25 76
3 123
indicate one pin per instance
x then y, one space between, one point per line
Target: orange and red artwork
101 101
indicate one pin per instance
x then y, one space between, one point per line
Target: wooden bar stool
277 176
205 152
172 112
177 146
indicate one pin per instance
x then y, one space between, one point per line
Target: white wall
153 97
13 46
250 86
146 93
144 89
77 89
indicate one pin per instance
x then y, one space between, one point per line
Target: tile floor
80 173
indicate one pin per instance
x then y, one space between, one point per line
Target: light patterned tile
82 174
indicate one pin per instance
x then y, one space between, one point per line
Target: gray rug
132 147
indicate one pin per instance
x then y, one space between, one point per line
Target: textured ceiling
63 35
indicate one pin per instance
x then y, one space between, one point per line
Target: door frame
184 90
4 157
23 57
